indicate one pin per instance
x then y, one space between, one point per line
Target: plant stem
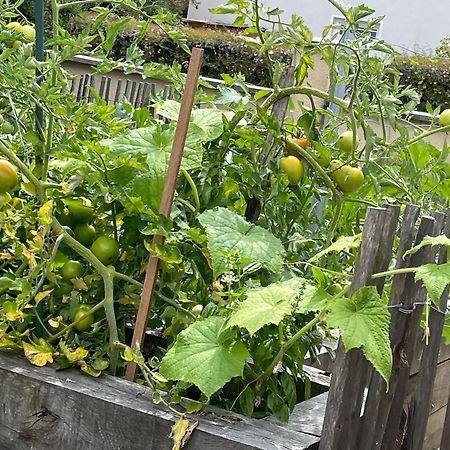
193 188
395 272
288 344
429 133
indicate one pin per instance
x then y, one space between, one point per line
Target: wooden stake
165 207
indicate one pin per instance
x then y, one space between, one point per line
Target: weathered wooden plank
445 440
440 391
420 405
345 396
46 409
434 431
405 334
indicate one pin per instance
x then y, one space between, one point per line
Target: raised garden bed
47 409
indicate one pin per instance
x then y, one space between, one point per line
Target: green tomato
85 234
8 176
29 33
85 323
444 118
7 128
106 249
14 26
293 168
345 142
78 212
63 289
71 270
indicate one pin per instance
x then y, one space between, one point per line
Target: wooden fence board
47 409
420 405
403 339
345 397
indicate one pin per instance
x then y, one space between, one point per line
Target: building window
340 23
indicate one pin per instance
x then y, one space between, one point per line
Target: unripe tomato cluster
347 178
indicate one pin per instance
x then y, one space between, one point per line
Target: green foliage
363 322
265 305
231 239
203 357
429 76
435 277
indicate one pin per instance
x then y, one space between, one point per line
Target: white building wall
415 25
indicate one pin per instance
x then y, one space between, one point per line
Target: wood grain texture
43 409
167 196
405 333
349 373
420 405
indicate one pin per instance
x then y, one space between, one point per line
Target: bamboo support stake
165 207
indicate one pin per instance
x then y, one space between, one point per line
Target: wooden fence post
420 404
345 397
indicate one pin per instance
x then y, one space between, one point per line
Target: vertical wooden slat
118 93
146 94
132 98
138 100
80 87
101 90
405 337
344 399
107 89
167 199
420 405
372 431
445 439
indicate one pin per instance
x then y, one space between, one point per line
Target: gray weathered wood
45 409
405 333
345 396
420 405
445 440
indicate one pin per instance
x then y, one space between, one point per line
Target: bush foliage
429 76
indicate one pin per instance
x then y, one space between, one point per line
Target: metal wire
400 308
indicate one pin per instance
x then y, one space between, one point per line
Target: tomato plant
252 270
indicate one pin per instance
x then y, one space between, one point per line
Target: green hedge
220 56
225 53
429 76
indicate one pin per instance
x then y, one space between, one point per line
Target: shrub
429 76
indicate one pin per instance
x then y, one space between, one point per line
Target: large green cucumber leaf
200 357
227 232
363 321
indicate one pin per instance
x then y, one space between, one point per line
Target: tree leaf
342 243
199 357
363 321
228 232
265 305
435 277
207 120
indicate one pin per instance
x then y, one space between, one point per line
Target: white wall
416 25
